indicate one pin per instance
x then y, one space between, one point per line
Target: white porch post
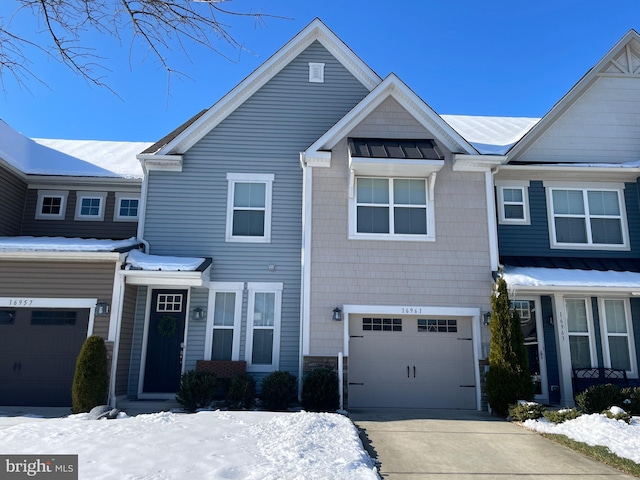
564 352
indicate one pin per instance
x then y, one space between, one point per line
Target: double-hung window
90 205
580 340
392 208
263 326
587 217
223 336
616 336
513 202
249 207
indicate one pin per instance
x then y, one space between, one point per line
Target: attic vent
316 72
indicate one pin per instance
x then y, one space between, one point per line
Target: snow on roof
561 277
82 158
63 244
491 135
144 261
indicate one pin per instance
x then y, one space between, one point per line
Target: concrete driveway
463 444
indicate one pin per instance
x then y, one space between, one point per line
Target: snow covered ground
205 445
621 438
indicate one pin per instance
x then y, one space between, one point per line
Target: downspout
143 205
116 343
305 271
491 218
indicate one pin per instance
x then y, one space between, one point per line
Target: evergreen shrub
631 400
598 398
617 413
91 378
560 416
241 393
522 411
197 390
278 390
320 391
508 379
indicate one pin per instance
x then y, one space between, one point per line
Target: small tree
508 378
91 380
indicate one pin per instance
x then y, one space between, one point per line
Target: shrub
241 393
197 390
597 398
508 378
91 379
278 390
522 411
616 413
631 400
560 416
320 390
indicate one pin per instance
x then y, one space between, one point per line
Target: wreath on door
167 326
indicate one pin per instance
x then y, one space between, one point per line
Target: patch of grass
599 453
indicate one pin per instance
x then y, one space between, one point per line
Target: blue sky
504 58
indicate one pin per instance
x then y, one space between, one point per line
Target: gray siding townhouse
569 228
68 215
316 215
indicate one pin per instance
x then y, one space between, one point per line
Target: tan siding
601 126
453 271
59 280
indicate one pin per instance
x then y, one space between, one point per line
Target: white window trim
81 195
116 211
590 329
431 224
254 288
584 187
316 72
633 373
267 179
42 194
224 287
515 185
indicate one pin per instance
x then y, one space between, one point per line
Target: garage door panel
428 364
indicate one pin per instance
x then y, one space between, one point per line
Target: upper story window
592 217
249 207
513 203
392 208
90 205
126 209
52 204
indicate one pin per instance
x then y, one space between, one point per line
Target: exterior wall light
486 318
198 313
102 308
337 314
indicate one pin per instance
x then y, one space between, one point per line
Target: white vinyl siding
249 207
587 218
263 326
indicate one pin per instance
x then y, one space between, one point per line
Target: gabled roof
193 130
395 88
619 60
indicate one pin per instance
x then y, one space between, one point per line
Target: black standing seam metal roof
574 263
394 148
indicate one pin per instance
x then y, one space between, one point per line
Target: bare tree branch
161 25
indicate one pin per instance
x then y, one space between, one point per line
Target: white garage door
411 362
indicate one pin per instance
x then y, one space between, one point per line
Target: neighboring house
375 256
569 227
68 214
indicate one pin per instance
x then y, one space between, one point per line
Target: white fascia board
585 290
178 279
316 30
168 163
570 97
476 163
614 173
393 87
62 256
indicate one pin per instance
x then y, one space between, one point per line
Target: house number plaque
412 310
20 302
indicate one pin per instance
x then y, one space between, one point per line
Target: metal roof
574 263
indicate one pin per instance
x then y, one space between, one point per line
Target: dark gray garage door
411 362
38 351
